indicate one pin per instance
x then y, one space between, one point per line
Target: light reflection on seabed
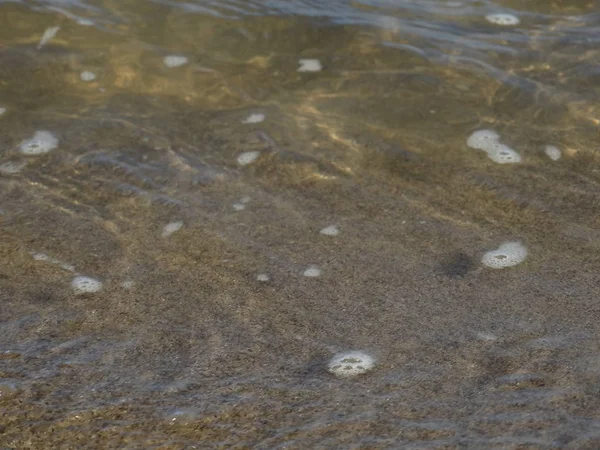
217 229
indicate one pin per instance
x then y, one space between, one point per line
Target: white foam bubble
40 256
87 76
503 19
41 142
247 158
48 34
175 61
184 416
85 22
486 336
503 154
171 228
489 142
553 152
8 390
350 364
331 230
241 205
310 65
507 254
86 285
312 271
254 118
483 139
66 266
12 167
128 284
389 23
2 110
262 277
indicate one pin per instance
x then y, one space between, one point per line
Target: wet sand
184 347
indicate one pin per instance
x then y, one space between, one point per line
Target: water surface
184 347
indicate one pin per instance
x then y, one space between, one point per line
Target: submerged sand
211 335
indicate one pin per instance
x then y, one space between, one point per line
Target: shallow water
248 221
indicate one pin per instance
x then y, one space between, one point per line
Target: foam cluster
86 285
184 416
247 158
489 142
2 110
350 364
41 142
312 272
508 254
38 256
7 390
175 61
503 19
254 118
331 230
128 284
553 152
87 76
12 167
171 228
241 205
310 65
48 34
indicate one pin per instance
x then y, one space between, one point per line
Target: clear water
184 347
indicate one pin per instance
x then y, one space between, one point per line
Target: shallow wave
185 343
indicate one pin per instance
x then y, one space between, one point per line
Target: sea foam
350 364
41 142
507 254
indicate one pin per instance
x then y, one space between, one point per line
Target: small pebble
262 277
